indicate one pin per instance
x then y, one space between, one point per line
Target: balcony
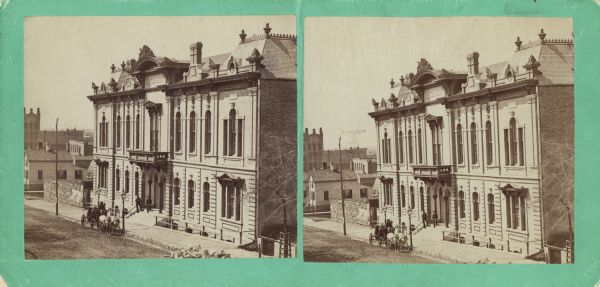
152 158
432 171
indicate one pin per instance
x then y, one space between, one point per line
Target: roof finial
243 36
123 66
401 79
267 29
392 83
112 68
542 36
518 42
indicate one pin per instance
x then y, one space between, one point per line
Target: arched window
206 197
128 132
400 147
459 144
419 146
137 131
402 196
103 131
491 209
513 141
126 181
461 203
410 147
475 206
176 190
192 147
191 190
473 143
118 132
412 197
178 131
488 142
385 146
207 131
118 180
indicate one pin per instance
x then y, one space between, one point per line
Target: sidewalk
428 242
145 231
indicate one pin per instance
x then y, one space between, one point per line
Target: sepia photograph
439 140
160 137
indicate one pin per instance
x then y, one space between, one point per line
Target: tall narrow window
419 146
385 148
412 197
232 132
400 147
433 144
521 148
461 203
126 181
475 206
103 135
459 144
515 212
192 134
402 196
506 148
137 183
387 193
489 145
523 213
206 197
240 137
225 136
410 147
128 132
508 212
118 180
491 209
422 197
238 200
178 131
513 141
191 191
473 143
151 131
118 132
176 191
207 131
137 131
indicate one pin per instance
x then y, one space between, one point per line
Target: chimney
313 132
196 53
306 130
473 62
320 131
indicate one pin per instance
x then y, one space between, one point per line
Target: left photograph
160 137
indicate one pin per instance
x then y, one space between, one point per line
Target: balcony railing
432 171
148 157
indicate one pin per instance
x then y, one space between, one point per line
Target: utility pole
342 185
56 164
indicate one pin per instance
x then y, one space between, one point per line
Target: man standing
435 218
424 217
138 203
148 203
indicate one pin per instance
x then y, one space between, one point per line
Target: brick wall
68 192
277 155
557 160
357 211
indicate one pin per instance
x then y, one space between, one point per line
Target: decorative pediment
509 190
532 64
255 59
433 119
385 179
113 85
152 106
227 179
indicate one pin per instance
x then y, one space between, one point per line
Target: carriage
101 220
389 237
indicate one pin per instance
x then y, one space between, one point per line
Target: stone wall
357 211
68 192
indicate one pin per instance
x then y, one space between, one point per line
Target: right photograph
442 140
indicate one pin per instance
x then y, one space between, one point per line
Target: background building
210 142
490 150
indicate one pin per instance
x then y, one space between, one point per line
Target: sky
350 60
64 55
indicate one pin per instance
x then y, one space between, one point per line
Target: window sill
515 168
517 231
233 158
232 221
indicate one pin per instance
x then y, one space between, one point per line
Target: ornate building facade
206 141
480 148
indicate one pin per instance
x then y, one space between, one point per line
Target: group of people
98 214
138 204
426 219
392 237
